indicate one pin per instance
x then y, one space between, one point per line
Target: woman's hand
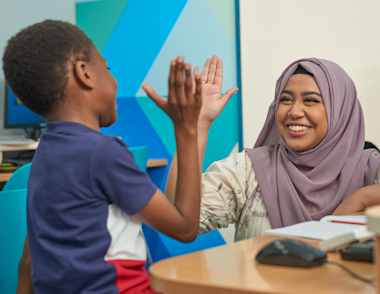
212 100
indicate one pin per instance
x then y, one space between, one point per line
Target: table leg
377 263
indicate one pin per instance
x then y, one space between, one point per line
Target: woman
308 161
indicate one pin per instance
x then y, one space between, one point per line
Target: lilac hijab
337 166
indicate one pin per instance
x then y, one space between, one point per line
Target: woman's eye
312 100
108 68
285 99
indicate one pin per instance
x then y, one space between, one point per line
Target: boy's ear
81 71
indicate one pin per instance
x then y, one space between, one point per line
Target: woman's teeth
297 128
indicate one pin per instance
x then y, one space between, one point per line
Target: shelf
156 162
4 177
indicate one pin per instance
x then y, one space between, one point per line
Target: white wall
18 14
275 33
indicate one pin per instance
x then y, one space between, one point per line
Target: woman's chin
299 147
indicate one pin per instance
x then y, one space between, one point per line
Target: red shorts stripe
132 277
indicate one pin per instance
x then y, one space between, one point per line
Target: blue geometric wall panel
136 40
161 123
135 130
197 35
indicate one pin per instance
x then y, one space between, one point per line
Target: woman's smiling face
301 114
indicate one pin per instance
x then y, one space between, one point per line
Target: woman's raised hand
212 100
184 101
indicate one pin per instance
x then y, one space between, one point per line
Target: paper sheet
314 230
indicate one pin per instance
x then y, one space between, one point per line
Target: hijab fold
334 169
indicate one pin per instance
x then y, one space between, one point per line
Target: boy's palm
183 104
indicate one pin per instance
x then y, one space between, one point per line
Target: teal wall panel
223 135
99 18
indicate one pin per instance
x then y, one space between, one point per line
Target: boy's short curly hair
35 62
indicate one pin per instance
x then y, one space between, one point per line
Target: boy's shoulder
62 132
78 142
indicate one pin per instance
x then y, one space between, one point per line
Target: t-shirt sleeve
115 176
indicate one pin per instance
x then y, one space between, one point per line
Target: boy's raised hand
184 103
179 219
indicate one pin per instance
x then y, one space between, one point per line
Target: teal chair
140 155
19 179
12 237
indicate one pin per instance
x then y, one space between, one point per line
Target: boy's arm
181 219
24 285
359 200
212 105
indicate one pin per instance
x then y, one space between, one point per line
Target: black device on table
294 253
359 251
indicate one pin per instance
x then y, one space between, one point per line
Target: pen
346 222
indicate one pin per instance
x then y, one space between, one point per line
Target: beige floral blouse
231 194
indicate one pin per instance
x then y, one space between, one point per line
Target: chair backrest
19 179
140 155
12 237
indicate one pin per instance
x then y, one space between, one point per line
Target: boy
86 196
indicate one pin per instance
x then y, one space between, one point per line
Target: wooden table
232 269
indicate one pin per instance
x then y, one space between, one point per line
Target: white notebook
314 230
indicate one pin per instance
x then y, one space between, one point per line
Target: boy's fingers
160 101
211 73
171 80
188 82
198 89
179 82
195 72
205 70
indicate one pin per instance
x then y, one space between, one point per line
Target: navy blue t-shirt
77 175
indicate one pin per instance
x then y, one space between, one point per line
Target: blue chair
161 246
12 237
19 179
